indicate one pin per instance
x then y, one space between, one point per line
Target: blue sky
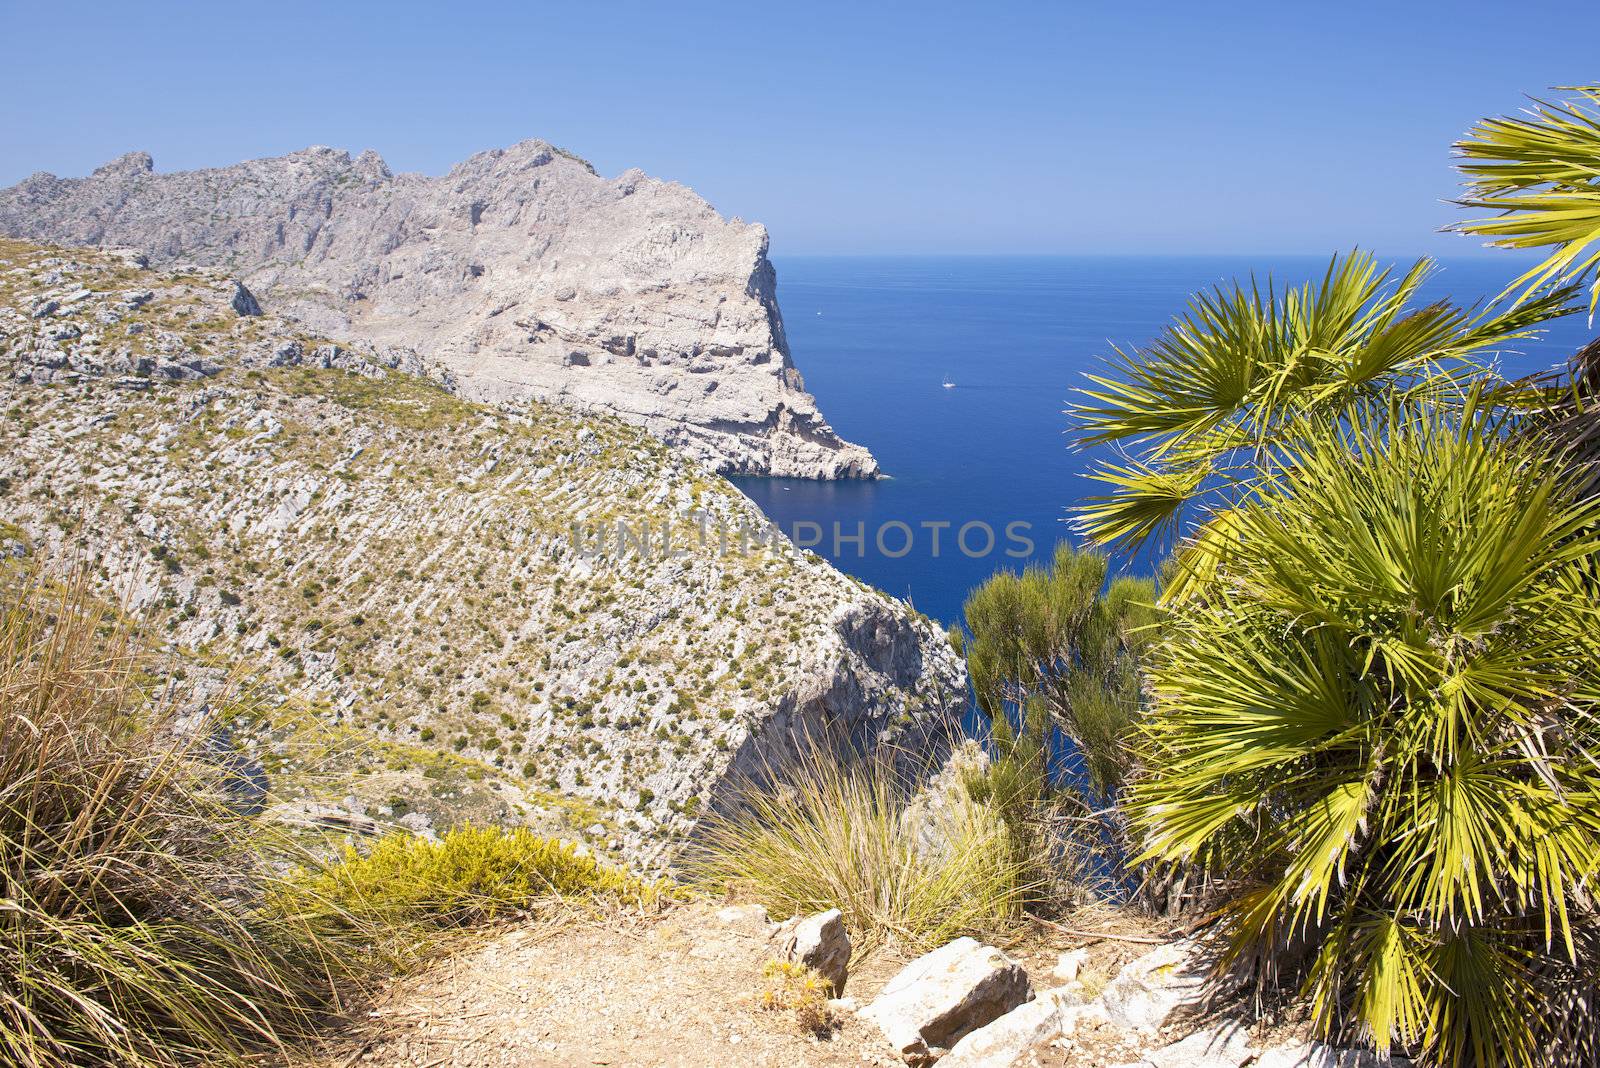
856 127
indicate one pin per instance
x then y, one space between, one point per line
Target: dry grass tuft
130 931
846 837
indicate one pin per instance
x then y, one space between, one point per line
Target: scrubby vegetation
144 919
799 990
1355 729
1054 656
846 836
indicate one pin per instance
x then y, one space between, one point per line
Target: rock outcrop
1004 1042
937 999
527 615
1157 984
819 942
522 270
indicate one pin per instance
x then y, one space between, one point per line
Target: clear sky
1289 126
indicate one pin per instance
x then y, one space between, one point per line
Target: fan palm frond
1242 364
1382 716
1540 174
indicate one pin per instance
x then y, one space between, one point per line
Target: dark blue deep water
876 337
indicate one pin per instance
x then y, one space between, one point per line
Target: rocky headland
523 271
445 610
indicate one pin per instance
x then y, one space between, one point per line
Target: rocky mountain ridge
522 270
448 610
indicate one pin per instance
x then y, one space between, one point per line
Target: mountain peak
129 163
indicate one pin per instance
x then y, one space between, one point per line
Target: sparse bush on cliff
834 835
1054 653
1062 636
129 932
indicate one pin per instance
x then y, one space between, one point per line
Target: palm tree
1380 646
1379 722
1376 697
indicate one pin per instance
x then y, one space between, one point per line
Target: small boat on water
949 384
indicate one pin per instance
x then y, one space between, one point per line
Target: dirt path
679 990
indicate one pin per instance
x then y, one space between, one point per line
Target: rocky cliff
445 609
522 270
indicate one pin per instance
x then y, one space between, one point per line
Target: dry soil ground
681 989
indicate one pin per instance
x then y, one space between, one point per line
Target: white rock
934 1001
1320 1055
1225 1045
1051 1015
821 943
1150 988
1070 964
522 270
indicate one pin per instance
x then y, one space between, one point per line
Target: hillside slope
521 269
441 585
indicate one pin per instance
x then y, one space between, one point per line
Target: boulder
942 996
244 302
1321 1055
943 804
821 943
1150 988
1002 1043
1224 1045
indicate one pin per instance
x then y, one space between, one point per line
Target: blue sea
876 338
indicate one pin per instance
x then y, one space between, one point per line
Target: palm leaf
1540 174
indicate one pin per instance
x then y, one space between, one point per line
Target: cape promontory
436 611
522 270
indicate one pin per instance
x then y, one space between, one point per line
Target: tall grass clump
129 932
848 836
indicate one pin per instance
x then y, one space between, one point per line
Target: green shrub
1058 650
470 875
1058 636
1377 691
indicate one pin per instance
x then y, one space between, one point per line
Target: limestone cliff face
534 616
522 270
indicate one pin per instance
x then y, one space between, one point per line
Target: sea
983 472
